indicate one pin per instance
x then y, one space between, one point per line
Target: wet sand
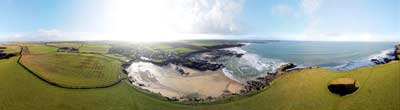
167 81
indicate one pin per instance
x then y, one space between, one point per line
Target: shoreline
168 82
249 87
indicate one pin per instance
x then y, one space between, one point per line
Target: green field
10 49
66 44
379 88
95 48
165 47
40 49
72 69
205 43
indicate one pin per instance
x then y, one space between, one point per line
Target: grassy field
72 69
95 48
205 43
10 49
379 88
168 47
40 49
66 44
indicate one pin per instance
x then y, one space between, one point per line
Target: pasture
73 69
94 48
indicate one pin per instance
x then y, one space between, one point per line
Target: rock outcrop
263 82
397 52
286 67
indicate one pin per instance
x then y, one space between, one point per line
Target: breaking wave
389 54
249 66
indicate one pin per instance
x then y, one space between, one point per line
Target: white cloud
305 8
208 16
52 35
310 6
161 17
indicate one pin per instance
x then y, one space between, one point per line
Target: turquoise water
261 58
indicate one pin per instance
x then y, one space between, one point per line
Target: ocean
263 58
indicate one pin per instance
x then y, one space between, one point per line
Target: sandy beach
167 81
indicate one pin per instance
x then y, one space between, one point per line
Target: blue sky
330 20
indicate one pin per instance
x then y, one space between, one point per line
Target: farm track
63 86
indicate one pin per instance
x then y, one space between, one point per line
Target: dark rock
239 55
286 67
140 84
376 61
397 52
181 71
125 72
172 99
198 99
386 60
201 65
254 85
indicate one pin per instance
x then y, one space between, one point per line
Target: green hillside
302 90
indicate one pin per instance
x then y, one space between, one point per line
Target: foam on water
254 63
249 66
364 61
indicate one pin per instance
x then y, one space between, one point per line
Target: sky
165 20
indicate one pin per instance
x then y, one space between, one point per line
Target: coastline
166 81
178 87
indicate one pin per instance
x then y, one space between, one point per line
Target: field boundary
79 52
120 79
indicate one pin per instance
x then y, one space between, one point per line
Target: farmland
95 48
72 69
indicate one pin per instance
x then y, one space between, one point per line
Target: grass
95 48
11 49
180 50
165 47
72 69
343 81
379 88
66 44
20 90
40 49
205 43
117 57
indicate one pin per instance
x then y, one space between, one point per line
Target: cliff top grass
205 43
298 90
343 81
95 48
66 44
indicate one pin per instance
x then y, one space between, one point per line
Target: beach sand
167 81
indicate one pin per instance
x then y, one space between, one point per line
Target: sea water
263 58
